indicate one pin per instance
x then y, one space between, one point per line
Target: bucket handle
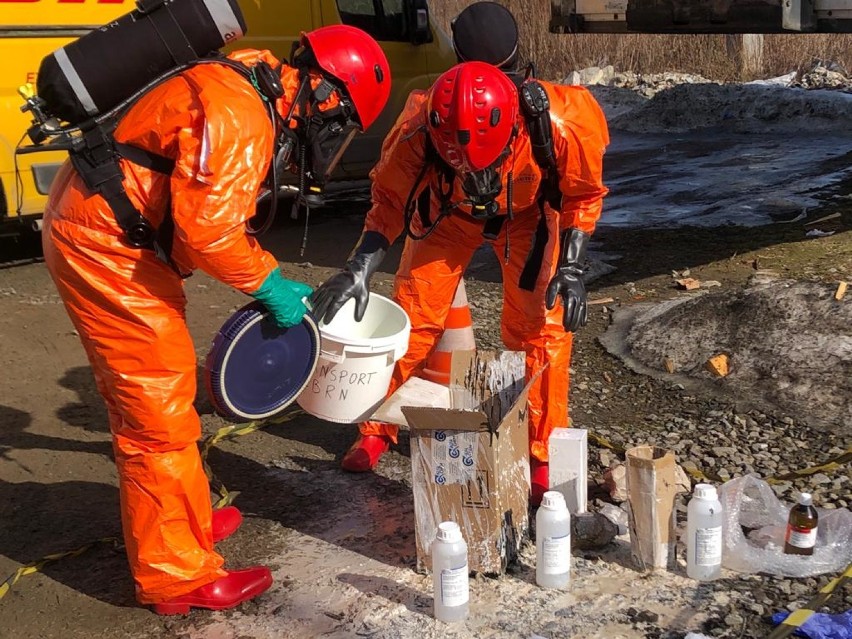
339 351
335 356
346 349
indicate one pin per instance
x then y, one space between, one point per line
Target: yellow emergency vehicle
31 29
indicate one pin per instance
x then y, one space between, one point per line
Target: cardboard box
470 461
568 469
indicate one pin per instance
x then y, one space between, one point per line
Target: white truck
701 16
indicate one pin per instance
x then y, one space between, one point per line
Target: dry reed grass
708 55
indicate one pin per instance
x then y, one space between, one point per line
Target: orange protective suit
129 307
430 268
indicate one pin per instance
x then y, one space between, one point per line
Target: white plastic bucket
356 361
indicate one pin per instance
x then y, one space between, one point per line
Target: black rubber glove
567 283
353 280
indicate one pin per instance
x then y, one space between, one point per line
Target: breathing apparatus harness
535 107
95 153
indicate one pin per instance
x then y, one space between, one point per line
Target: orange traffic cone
457 336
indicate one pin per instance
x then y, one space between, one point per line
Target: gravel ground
709 431
344 567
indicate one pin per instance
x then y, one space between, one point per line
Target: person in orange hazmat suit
128 305
467 141
500 48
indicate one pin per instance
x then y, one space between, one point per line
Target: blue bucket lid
255 369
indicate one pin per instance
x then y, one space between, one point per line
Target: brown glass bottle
801 527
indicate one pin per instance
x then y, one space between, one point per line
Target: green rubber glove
283 298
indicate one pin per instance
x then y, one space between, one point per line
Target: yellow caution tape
797 618
602 441
827 467
36 566
701 476
226 498
237 430
695 473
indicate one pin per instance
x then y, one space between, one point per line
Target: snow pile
742 108
823 76
789 344
817 98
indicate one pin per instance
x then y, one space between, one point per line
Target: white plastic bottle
553 542
450 573
704 534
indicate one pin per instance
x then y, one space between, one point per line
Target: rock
734 620
642 616
591 531
684 485
616 515
591 76
572 78
615 481
690 466
723 451
799 589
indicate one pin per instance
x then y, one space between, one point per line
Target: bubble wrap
750 502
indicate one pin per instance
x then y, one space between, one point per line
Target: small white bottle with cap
553 542
450 573
704 519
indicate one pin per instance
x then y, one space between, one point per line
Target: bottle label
801 537
708 546
454 586
556 555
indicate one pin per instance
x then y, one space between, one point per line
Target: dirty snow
688 151
797 357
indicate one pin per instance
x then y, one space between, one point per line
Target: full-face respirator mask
313 148
326 122
311 141
481 188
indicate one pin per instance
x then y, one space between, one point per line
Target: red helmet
472 110
358 62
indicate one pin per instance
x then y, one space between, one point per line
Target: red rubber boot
225 522
539 480
226 592
365 453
